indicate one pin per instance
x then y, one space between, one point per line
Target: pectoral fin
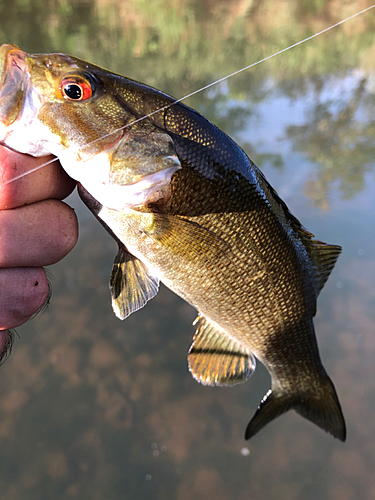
215 359
131 284
184 237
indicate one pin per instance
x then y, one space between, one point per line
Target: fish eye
76 88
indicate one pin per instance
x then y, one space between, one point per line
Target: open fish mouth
12 56
13 82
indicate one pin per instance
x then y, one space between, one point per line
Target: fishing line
205 88
30 171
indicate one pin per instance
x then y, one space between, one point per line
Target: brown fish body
188 207
246 264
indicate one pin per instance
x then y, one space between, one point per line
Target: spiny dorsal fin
215 359
131 284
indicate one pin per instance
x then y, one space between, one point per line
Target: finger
49 181
23 291
37 235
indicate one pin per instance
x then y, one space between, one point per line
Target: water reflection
338 136
95 408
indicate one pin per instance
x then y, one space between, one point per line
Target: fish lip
14 87
12 61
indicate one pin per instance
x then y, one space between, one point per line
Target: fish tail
322 408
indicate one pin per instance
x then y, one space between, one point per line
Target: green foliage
183 45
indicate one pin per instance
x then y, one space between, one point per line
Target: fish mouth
12 67
13 82
8 50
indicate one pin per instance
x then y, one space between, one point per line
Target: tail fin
322 408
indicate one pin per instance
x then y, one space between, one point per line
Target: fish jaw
13 80
19 106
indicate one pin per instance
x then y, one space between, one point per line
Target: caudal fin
322 408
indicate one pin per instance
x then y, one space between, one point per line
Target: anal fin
131 284
215 359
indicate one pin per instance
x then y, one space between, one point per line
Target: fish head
58 104
61 97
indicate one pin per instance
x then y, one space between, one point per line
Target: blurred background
92 407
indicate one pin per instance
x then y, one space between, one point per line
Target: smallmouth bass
187 207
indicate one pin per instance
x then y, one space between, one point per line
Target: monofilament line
216 82
234 73
273 55
30 171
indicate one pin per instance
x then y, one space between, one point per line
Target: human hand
36 229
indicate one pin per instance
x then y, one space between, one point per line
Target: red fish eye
75 90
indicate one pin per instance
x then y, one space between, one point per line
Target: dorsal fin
324 258
131 284
323 255
215 359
